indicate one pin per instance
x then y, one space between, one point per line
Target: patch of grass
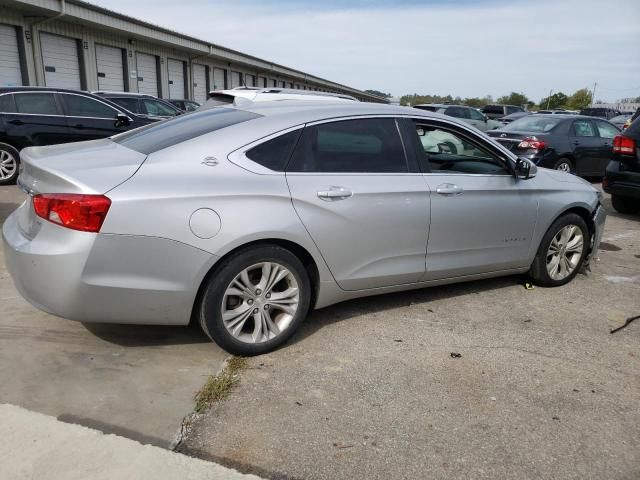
218 387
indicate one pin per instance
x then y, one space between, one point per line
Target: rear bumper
105 278
621 182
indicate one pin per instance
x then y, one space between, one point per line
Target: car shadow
321 318
6 209
148 335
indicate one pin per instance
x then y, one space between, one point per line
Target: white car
253 94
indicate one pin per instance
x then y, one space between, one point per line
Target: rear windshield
533 123
634 129
158 136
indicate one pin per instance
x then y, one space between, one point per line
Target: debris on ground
528 286
625 324
455 355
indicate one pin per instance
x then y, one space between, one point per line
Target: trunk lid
95 166
510 140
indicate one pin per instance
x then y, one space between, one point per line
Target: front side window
274 154
360 146
36 103
156 108
476 115
79 106
583 128
606 130
446 151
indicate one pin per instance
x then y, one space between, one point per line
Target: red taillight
532 143
72 210
624 145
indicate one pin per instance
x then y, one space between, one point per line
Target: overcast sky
464 47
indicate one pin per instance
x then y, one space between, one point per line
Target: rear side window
606 130
36 103
359 146
7 105
158 136
274 154
79 106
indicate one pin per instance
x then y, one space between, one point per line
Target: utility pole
549 98
593 93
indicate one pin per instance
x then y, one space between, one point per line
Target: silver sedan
243 218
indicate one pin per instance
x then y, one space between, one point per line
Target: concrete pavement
36 446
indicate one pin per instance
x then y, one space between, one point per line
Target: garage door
10 74
199 83
110 69
147 74
218 79
235 79
61 64
176 78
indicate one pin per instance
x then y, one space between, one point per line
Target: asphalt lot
369 389
136 381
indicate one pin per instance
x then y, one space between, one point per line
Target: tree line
578 100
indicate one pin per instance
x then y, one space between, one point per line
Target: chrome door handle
449 189
335 193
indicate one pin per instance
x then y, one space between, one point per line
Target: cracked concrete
368 388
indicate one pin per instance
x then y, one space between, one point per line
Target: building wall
91 28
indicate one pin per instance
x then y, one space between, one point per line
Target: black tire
564 161
538 271
625 204
210 309
12 156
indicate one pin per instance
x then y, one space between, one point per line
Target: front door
364 207
88 118
482 217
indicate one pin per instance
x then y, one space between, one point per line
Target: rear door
482 217
88 118
38 119
366 209
586 144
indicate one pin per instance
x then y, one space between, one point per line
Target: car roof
111 93
41 89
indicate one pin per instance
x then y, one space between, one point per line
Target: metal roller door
110 69
235 79
218 79
176 78
10 74
199 83
147 68
60 59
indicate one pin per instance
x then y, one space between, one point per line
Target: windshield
533 124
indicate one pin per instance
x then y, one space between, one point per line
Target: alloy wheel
564 167
260 302
8 165
565 252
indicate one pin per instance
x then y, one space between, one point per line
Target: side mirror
122 120
486 119
525 169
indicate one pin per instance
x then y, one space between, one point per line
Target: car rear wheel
564 165
255 300
625 204
561 252
9 162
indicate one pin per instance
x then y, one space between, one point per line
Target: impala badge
210 162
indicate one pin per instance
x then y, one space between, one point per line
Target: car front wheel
255 300
9 161
561 252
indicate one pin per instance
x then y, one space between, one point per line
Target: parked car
512 116
142 104
571 143
495 111
35 116
622 177
553 111
620 121
282 207
255 94
600 112
184 105
464 113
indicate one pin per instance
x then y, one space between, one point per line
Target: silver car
244 218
